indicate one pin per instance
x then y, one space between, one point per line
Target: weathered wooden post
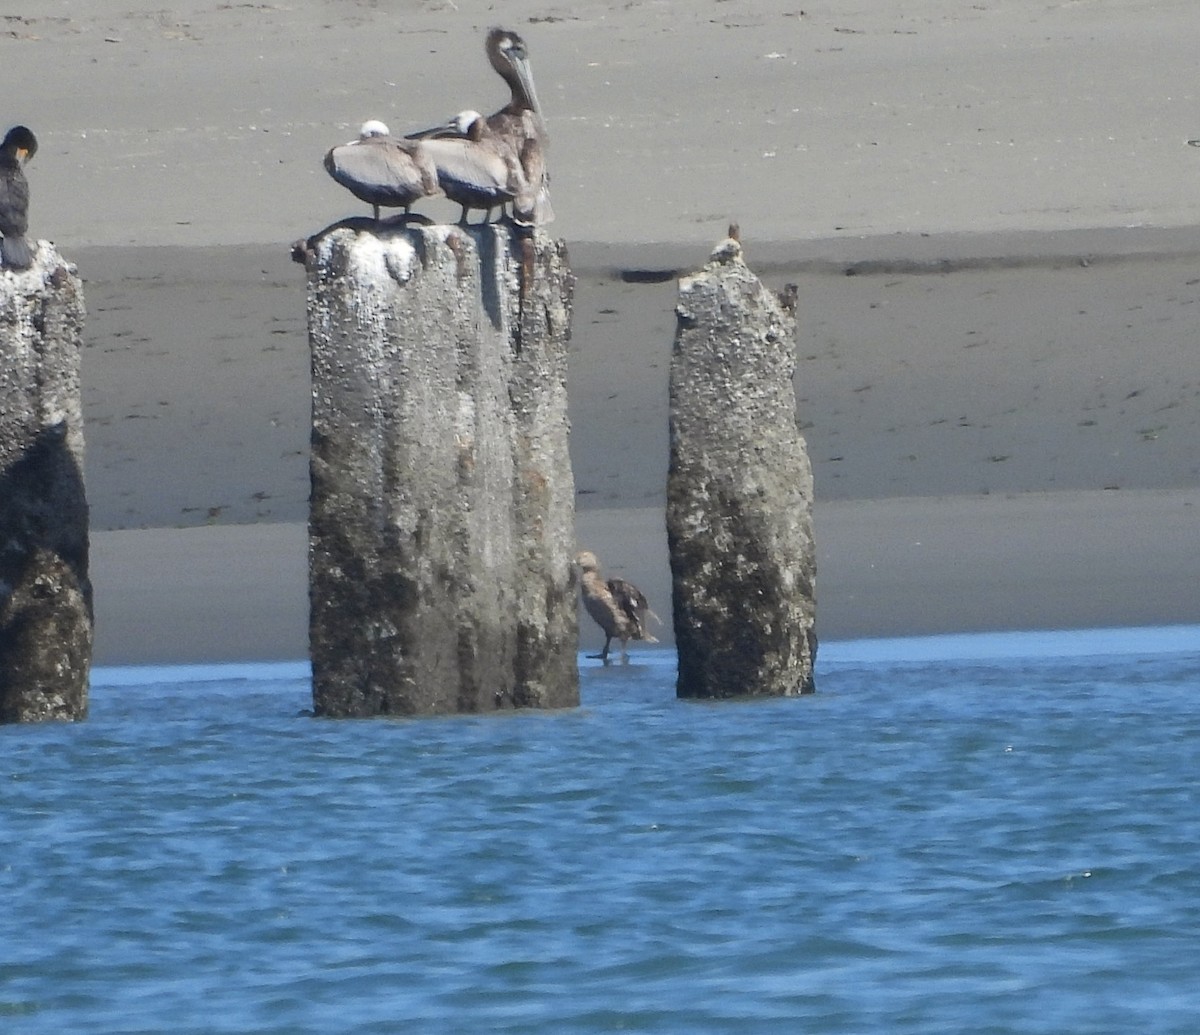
739 490
441 525
45 593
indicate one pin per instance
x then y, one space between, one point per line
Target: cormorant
19 146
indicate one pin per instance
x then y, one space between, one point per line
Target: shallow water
934 845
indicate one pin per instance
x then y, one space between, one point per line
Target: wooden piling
441 522
739 490
45 591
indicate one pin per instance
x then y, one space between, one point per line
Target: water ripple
987 846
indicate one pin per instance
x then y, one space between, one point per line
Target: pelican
381 170
618 607
518 125
520 121
475 168
19 146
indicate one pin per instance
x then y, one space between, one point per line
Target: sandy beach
992 214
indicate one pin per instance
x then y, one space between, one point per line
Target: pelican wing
473 166
382 166
535 204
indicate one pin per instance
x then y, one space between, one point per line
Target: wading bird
618 606
19 146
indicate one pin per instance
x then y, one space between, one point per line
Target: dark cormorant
19 146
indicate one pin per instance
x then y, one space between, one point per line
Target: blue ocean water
935 841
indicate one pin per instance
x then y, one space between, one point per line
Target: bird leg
603 655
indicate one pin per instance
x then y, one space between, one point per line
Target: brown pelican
475 168
618 607
518 125
520 121
381 170
19 146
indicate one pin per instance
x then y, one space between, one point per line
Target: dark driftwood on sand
45 593
739 490
442 513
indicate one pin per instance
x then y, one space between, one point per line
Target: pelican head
505 48
373 128
468 124
510 58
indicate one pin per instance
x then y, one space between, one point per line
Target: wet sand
893 567
991 213
1000 441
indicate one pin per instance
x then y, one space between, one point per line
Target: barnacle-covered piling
45 592
739 490
441 524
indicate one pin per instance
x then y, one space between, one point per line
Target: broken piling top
739 489
45 592
441 524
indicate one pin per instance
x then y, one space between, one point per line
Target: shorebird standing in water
381 170
19 146
618 606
